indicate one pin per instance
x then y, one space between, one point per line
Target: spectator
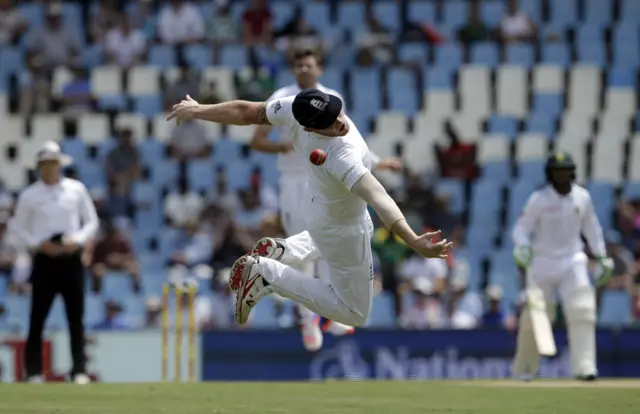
222 28
298 34
119 204
628 217
142 19
465 306
266 194
113 252
187 83
188 141
191 247
55 43
6 201
625 267
12 23
475 30
112 320
35 96
442 218
211 95
392 251
425 311
183 206
104 19
217 311
123 163
8 254
180 23
459 159
433 270
153 312
494 316
124 45
516 26
255 84
76 95
257 23
251 214
376 44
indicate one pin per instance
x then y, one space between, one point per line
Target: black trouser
50 276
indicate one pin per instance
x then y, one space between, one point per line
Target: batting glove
522 256
603 270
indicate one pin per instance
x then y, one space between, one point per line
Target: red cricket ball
317 157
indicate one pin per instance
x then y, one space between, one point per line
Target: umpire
54 218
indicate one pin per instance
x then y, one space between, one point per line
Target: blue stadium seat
448 56
282 12
92 174
480 237
351 15
92 56
317 13
151 151
589 34
413 52
115 285
382 312
388 13
621 77
226 151
365 91
33 13
198 56
520 54
264 316
402 88
556 53
542 123
421 11
504 273
238 175
532 172
563 12
93 310
113 103
284 78
485 54
76 148
631 190
630 11
105 147
438 78
533 9
200 174
165 173
492 12
12 60
519 194
454 189
3 286
598 12
152 281
149 105
162 56
503 125
333 78
18 307
548 104
57 319
268 56
234 56
615 308
455 13
486 198
603 196
592 53
144 192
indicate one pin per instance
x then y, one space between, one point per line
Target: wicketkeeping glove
603 270
522 256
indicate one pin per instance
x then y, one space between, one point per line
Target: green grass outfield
482 397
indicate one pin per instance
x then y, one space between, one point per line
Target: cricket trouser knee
300 251
527 358
317 295
580 311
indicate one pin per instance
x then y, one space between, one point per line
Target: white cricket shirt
553 224
44 210
290 163
328 185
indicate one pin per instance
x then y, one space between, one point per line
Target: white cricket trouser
569 279
346 294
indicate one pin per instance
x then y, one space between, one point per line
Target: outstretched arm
370 190
229 113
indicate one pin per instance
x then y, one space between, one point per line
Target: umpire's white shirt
553 224
44 210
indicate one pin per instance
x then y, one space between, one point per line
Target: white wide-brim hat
50 151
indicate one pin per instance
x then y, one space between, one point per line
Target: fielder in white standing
336 198
307 70
549 247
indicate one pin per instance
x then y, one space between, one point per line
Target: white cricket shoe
265 247
312 337
252 287
81 379
35 379
338 329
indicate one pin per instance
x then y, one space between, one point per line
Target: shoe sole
248 262
259 249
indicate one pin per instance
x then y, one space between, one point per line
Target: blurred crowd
213 228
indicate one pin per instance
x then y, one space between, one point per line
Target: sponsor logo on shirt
349 171
277 107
